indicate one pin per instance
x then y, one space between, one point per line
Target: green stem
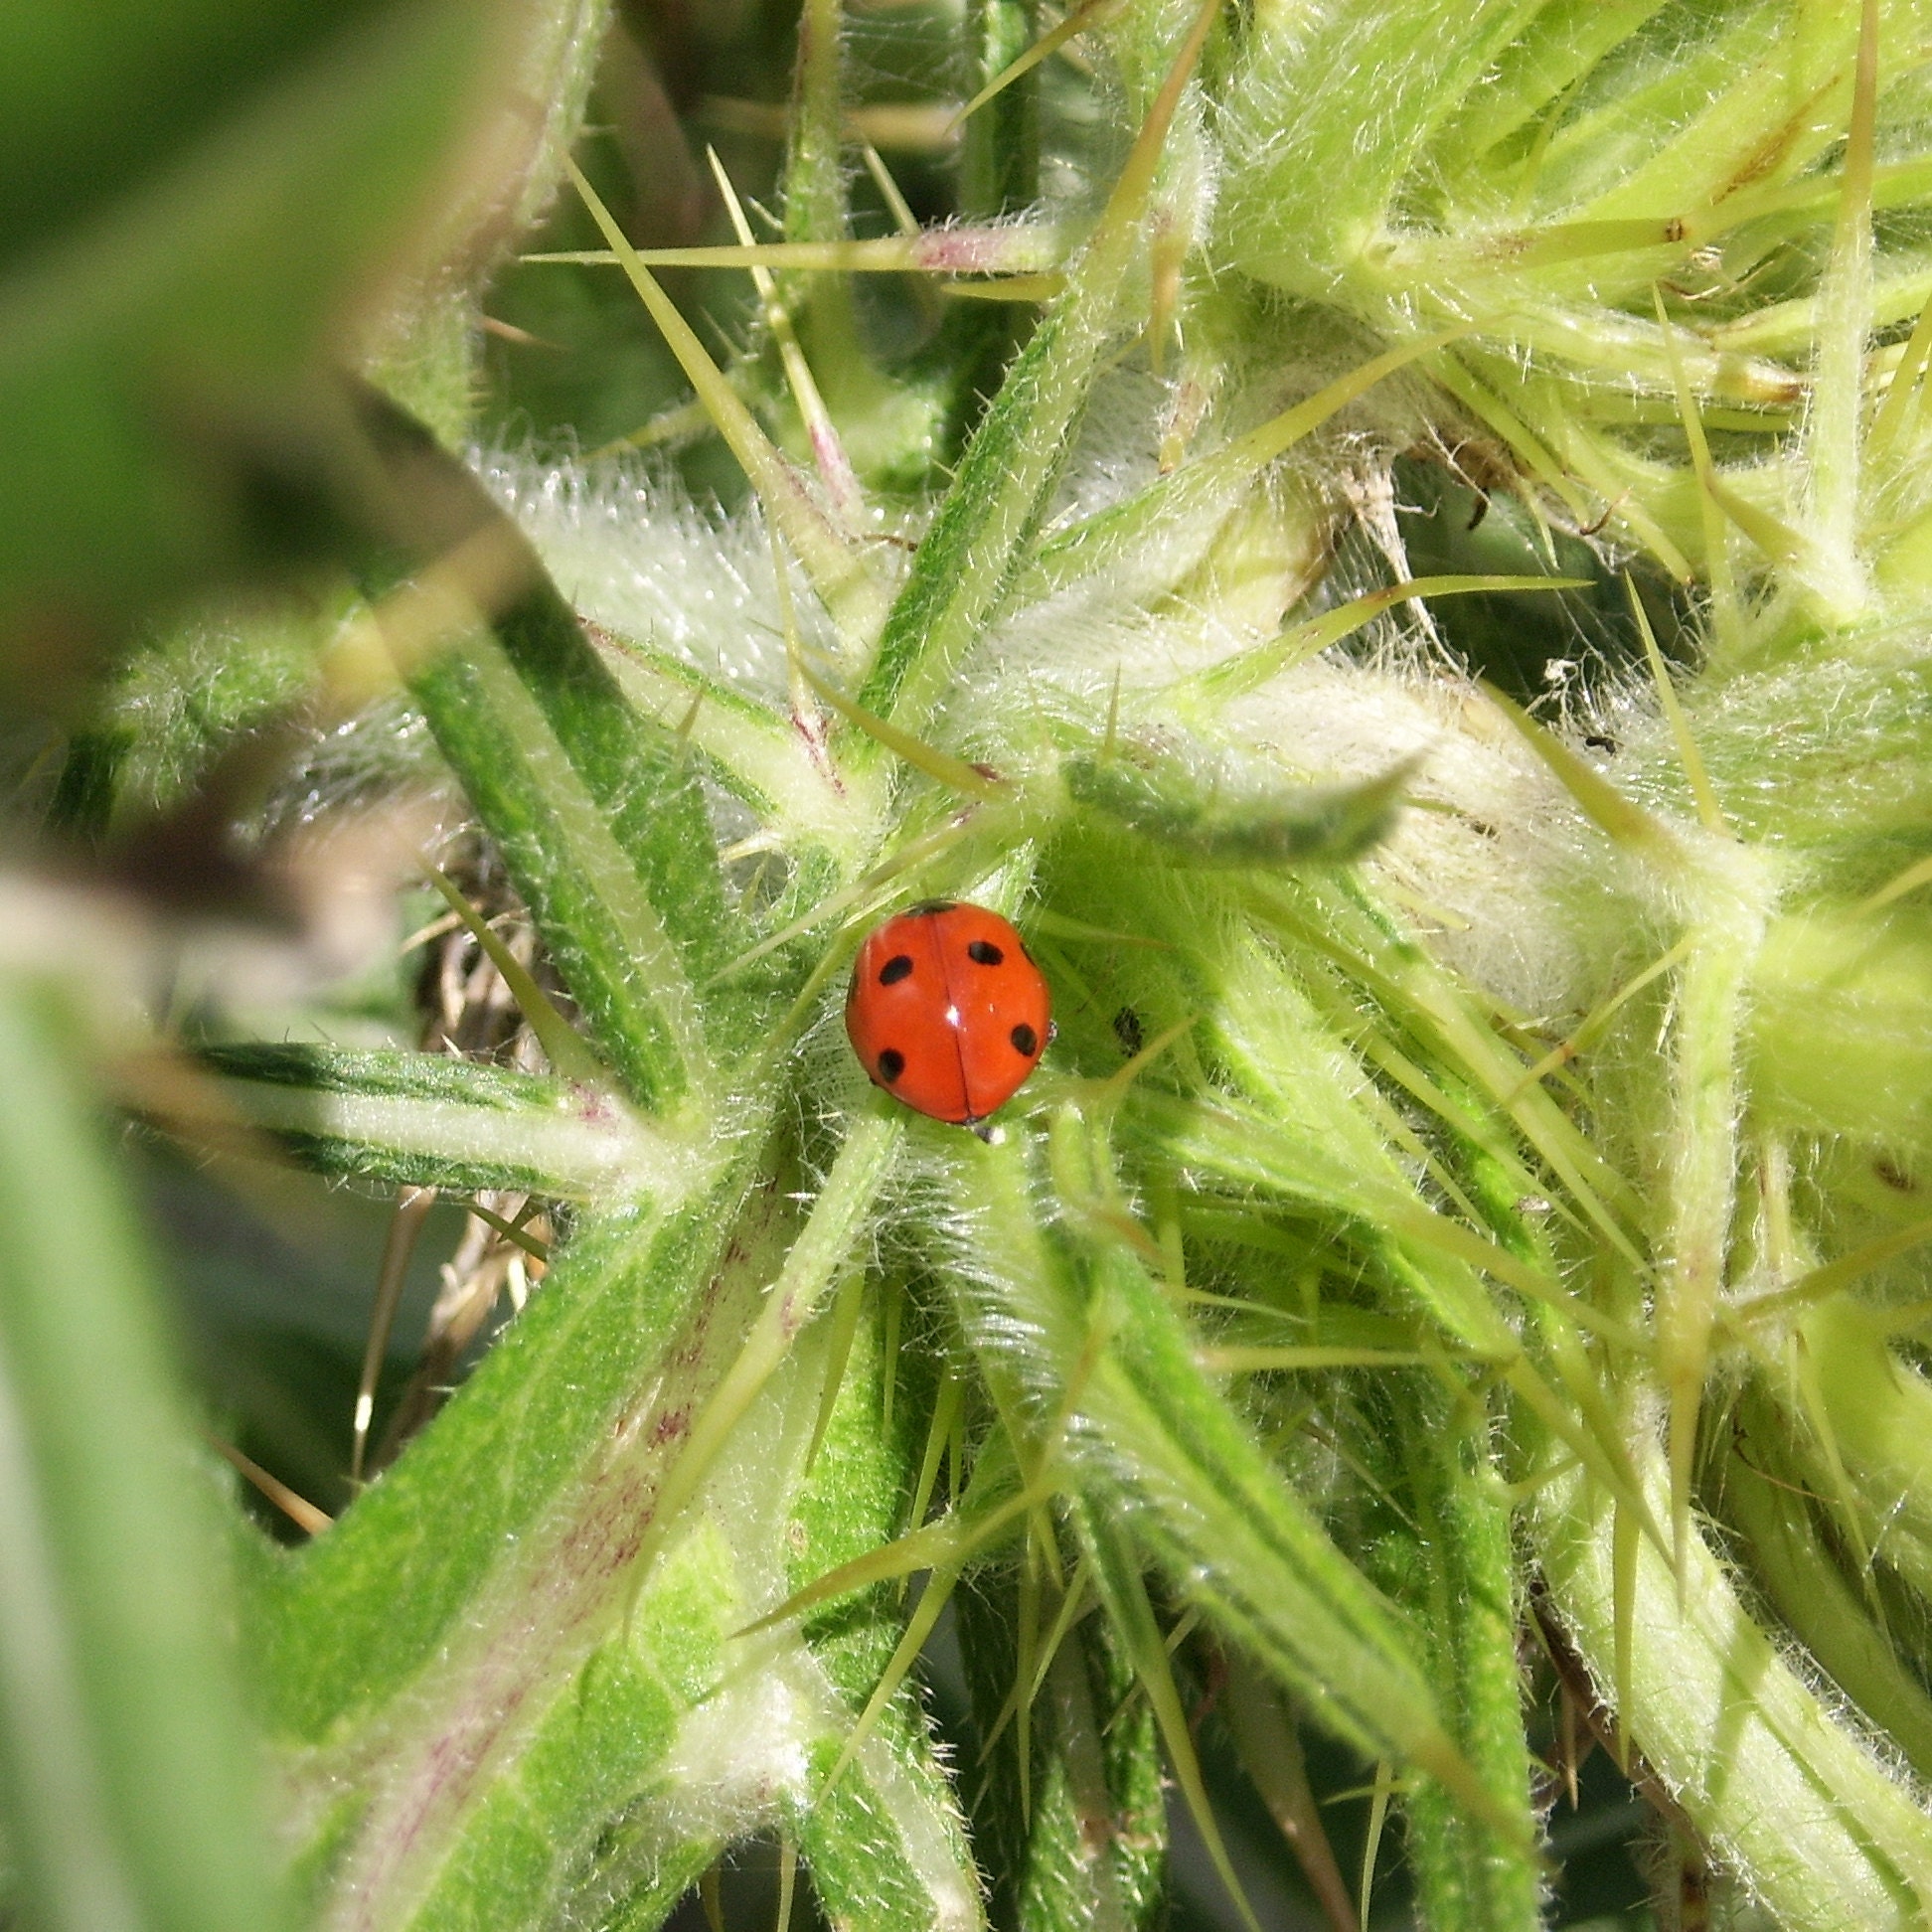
1702 1160
425 1120
983 532
1469 1878
999 164
814 1262
1771 1781
1067 1809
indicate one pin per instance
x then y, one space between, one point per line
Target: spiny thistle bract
1473 1215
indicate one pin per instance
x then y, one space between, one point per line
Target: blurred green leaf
131 1783
238 181
97 100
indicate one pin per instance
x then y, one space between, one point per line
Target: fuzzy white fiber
1488 856
633 554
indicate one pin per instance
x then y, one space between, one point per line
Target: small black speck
984 952
891 1064
899 967
1024 1040
1129 1032
1597 743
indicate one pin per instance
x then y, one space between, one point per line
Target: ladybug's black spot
899 967
1024 1040
984 952
891 1064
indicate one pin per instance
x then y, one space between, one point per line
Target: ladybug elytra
947 1010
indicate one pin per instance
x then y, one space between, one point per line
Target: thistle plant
1463 1256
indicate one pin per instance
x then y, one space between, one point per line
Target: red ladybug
947 1010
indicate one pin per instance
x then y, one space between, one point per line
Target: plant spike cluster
1478 1198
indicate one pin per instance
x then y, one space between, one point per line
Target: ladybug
947 1010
